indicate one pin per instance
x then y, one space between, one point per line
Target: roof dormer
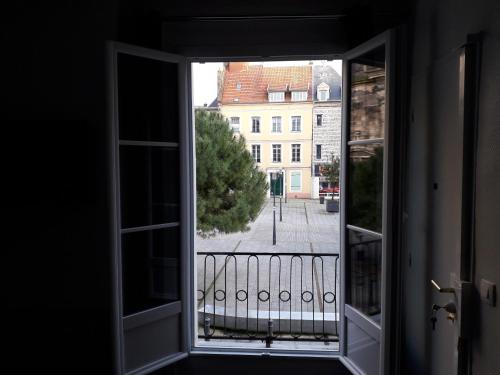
323 92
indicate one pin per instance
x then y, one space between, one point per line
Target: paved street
305 223
293 289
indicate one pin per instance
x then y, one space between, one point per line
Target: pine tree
230 188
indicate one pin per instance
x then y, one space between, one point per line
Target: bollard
274 225
269 338
206 329
281 217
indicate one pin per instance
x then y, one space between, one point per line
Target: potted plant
331 172
332 205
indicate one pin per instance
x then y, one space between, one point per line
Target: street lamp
273 187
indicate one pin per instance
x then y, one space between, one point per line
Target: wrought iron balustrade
268 296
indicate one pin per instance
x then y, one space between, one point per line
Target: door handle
450 307
442 290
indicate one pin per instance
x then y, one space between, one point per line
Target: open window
150 179
152 165
366 205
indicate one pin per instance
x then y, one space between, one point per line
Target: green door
276 184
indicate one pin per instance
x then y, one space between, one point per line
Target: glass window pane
365 179
364 280
150 269
362 349
150 179
148 102
368 96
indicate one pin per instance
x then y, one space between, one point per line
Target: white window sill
333 353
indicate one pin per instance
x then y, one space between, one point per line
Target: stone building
272 108
326 121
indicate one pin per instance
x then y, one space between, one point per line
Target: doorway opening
267 242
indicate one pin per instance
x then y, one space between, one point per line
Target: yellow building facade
279 136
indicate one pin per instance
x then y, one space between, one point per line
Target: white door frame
382 332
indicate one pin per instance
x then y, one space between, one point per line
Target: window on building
276 153
318 151
255 124
319 120
276 96
238 86
295 153
256 153
295 181
299 96
317 170
235 124
296 120
276 121
323 95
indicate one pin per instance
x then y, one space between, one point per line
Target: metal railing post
269 337
274 225
206 329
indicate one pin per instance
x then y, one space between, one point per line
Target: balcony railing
268 296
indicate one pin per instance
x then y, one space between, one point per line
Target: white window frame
291 186
300 152
252 120
235 126
276 96
260 152
190 340
300 124
125 325
299 96
280 122
326 94
281 153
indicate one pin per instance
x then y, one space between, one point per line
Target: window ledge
265 352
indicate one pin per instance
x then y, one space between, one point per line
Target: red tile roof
244 83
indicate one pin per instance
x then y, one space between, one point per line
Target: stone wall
329 133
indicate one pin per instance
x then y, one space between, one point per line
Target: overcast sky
205 77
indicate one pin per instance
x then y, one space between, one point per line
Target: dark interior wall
250 365
440 28
272 28
56 276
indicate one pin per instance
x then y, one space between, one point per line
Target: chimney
237 66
